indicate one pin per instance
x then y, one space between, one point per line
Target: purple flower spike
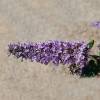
56 52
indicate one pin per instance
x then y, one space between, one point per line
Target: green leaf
99 53
90 44
94 59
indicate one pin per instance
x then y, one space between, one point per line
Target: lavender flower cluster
57 52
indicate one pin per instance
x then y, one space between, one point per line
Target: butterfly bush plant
73 53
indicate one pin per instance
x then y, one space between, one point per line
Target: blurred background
42 20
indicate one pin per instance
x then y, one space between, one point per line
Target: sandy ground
40 20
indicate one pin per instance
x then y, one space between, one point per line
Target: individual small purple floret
96 24
56 52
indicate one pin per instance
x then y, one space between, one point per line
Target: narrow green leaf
90 44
